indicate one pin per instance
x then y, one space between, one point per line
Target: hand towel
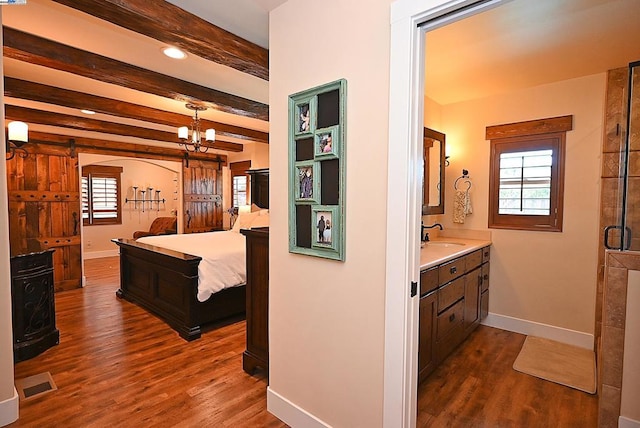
461 205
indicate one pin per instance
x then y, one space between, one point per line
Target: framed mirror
433 179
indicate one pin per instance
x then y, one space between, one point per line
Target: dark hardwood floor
118 365
477 387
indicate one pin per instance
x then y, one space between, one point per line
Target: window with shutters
101 195
527 176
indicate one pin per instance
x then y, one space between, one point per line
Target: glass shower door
626 234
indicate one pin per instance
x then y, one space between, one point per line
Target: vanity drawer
450 293
428 280
451 270
449 319
486 254
472 261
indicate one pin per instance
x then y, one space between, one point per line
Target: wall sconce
17 136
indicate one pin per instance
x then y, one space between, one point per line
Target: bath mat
34 386
557 362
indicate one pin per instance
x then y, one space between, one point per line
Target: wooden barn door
44 212
202 196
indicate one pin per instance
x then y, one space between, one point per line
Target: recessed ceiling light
174 53
87 111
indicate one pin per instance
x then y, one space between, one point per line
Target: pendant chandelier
194 143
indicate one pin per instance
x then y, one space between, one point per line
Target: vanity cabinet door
427 336
472 300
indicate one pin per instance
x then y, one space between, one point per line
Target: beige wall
327 317
155 173
542 277
8 395
258 154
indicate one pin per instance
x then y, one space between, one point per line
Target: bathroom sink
444 244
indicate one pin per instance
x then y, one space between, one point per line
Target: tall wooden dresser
33 304
257 350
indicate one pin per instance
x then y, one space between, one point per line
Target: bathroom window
101 195
527 176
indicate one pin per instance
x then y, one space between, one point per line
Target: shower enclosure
625 234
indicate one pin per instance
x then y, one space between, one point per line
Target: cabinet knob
452 317
453 270
486 277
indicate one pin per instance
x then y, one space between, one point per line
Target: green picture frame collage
317 171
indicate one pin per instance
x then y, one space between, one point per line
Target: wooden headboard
259 187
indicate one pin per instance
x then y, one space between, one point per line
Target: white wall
326 318
8 394
539 277
162 175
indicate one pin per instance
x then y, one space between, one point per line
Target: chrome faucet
425 236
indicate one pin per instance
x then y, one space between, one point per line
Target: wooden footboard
165 282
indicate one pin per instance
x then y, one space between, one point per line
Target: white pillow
264 212
244 221
261 221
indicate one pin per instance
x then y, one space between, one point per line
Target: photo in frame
326 142
304 113
307 182
325 220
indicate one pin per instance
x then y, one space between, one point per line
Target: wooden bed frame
165 282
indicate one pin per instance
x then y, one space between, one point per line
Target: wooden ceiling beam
74 122
26 90
106 147
170 24
36 50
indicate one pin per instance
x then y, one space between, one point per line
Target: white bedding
223 262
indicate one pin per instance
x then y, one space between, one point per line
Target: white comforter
223 262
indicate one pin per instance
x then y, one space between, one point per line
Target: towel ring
467 180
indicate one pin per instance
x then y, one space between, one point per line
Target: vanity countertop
442 250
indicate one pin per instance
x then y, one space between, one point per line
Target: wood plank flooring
477 387
118 365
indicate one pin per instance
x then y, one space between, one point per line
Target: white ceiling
526 43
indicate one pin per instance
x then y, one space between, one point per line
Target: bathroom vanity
454 297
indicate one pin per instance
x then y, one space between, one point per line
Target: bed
193 289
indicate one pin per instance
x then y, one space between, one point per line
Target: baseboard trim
627 423
532 328
100 254
9 409
291 414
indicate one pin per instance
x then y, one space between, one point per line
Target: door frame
410 19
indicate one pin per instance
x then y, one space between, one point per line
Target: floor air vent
34 386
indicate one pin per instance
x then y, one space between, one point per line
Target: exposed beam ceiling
49 94
77 122
35 50
166 22
64 56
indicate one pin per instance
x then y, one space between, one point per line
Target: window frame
240 169
544 134
101 171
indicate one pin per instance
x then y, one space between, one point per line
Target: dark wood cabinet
454 299
427 335
257 348
472 300
33 304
